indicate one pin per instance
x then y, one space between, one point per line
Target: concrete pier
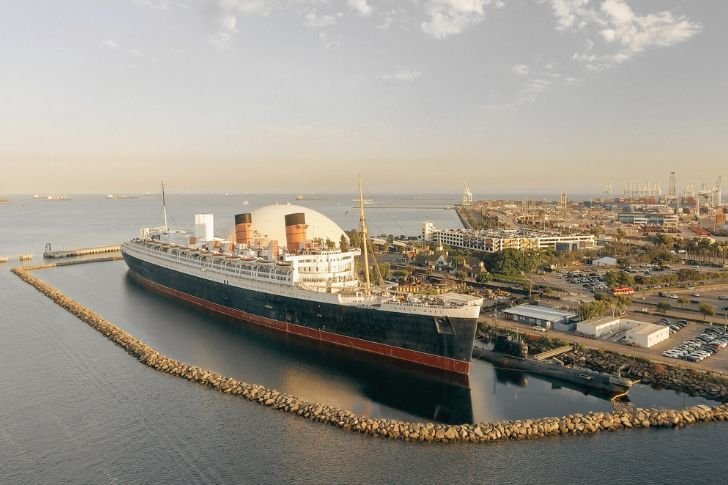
72 253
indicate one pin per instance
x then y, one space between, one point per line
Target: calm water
75 408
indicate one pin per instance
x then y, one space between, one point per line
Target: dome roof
270 221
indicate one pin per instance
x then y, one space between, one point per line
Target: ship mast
164 208
363 221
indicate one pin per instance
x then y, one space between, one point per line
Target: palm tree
707 309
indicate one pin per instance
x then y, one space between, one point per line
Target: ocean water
74 408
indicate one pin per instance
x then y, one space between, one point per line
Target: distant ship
309 287
53 197
114 196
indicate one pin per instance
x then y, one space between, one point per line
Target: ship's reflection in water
369 384
520 379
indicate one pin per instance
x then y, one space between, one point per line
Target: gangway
553 352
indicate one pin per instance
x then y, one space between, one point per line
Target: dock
553 352
72 253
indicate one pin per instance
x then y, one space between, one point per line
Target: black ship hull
405 336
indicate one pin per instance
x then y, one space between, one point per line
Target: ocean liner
308 287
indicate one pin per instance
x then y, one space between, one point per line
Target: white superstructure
313 272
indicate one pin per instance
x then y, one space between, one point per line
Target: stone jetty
576 424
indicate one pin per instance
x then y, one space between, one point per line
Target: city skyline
301 96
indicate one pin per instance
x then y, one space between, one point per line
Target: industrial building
605 261
542 316
648 219
493 241
642 334
647 334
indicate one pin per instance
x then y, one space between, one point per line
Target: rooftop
540 312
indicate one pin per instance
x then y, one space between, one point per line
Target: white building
598 327
605 261
542 316
647 334
642 334
494 241
648 219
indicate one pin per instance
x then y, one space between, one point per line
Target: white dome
270 221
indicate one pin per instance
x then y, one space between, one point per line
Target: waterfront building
642 334
648 219
493 241
541 316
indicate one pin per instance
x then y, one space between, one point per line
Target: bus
623 290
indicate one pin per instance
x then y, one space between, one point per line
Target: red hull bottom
438 362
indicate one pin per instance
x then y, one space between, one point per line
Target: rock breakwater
576 424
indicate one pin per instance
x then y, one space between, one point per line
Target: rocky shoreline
576 424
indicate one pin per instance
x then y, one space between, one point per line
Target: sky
302 96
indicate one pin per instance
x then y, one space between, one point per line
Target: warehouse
598 327
641 334
541 316
647 334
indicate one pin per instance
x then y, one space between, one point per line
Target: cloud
402 74
314 21
111 44
328 42
158 4
114 46
621 32
229 23
247 7
451 17
221 40
534 83
361 6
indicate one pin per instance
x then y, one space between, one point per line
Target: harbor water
74 408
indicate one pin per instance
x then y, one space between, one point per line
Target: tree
592 309
707 310
663 239
344 243
620 304
384 271
484 276
664 307
354 238
330 244
683 300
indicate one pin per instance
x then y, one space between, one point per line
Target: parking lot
717 362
